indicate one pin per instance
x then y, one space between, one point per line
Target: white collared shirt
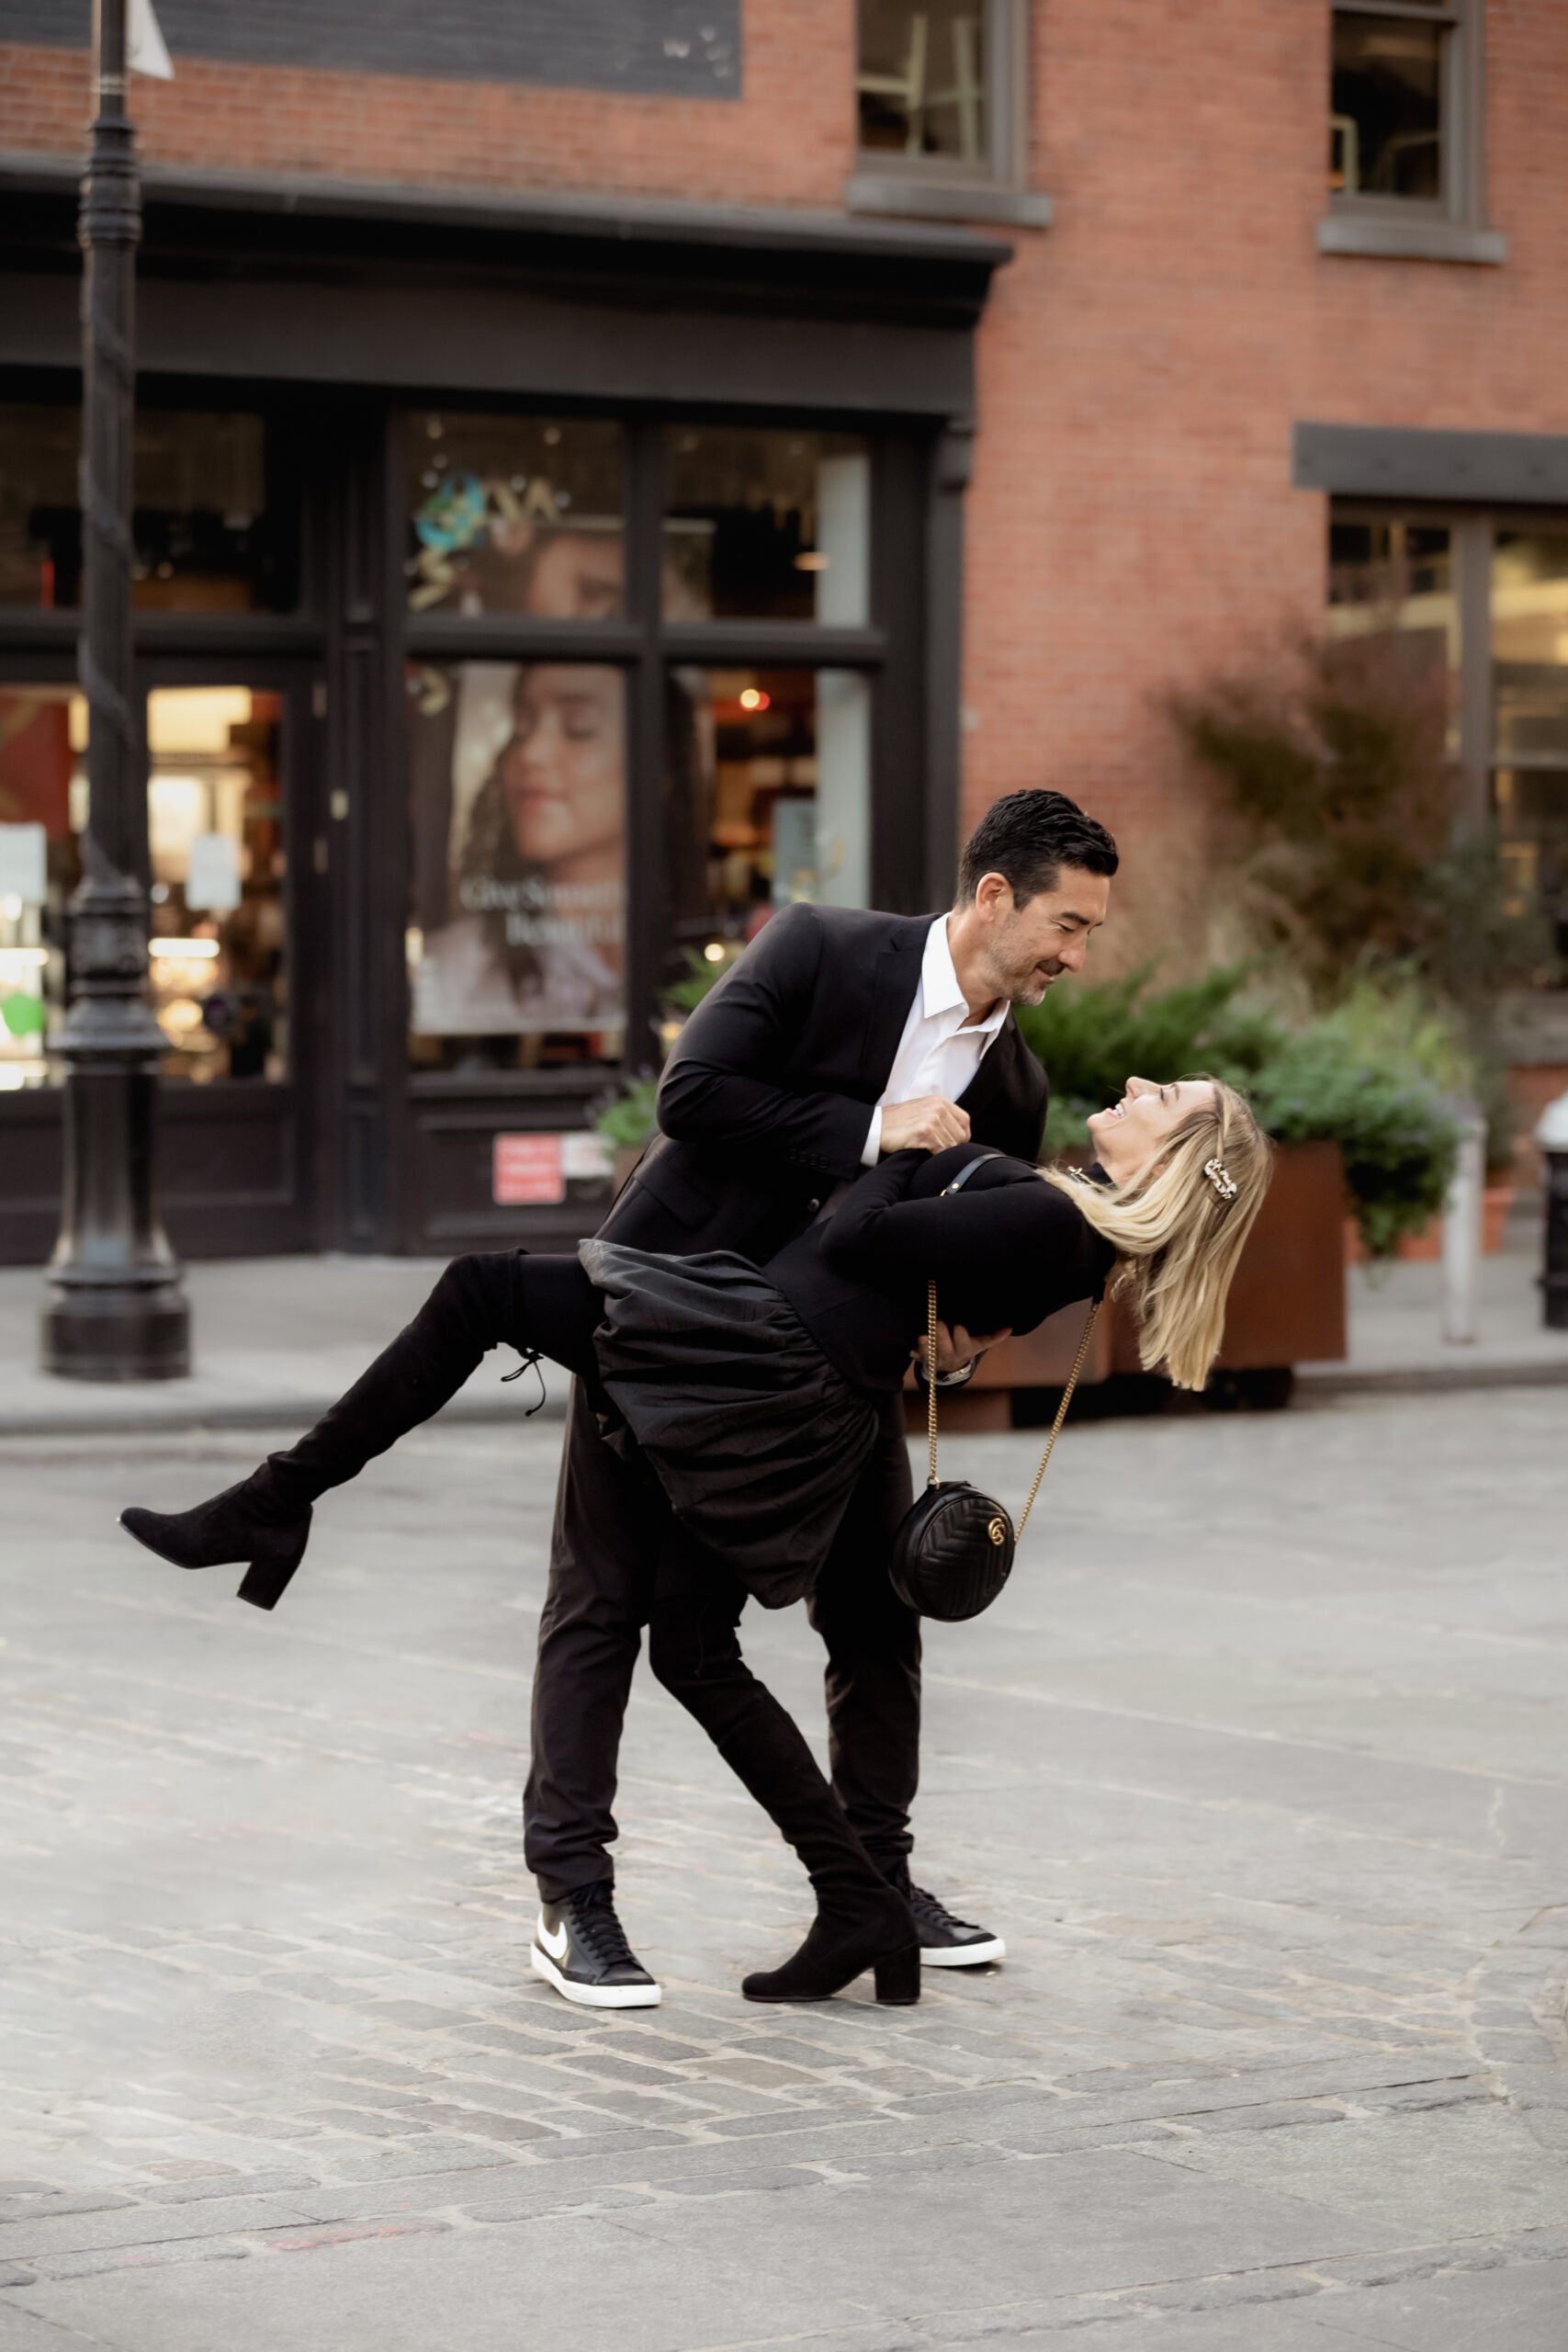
937 1052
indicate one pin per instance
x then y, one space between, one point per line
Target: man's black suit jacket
765 1101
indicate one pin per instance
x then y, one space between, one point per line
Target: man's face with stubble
1028 948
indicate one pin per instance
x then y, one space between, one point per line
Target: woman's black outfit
753 1396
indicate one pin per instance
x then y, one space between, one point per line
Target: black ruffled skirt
753 1435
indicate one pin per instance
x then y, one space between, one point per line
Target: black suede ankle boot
242 1524
846 1939
265 1520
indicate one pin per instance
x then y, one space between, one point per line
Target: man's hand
929 1123
958 1347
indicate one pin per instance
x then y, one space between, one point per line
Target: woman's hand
957 1347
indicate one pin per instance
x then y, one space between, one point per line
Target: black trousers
616 1550
619 1560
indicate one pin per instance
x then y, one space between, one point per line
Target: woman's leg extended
505 1298
695 1652
501 1298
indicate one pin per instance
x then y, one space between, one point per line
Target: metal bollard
1551 1135
1462 1233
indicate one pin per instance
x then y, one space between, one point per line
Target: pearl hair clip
1221 1179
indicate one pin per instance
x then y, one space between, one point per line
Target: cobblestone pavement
1258 1765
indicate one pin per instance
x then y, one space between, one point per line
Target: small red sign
527 1171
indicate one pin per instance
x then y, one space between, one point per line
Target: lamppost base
116 1331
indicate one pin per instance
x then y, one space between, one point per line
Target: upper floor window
940 97
1405 161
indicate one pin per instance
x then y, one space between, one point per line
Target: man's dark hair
1030 836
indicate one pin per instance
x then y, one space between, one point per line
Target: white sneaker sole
594 1996
963 1955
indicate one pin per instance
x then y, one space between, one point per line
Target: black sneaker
581 1947
945 1943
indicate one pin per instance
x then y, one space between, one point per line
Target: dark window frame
951 187
644 645
1452 225
1473 534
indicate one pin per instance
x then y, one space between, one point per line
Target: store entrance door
237 977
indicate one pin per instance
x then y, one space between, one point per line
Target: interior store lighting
194 951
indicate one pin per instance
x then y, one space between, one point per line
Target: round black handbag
953 1550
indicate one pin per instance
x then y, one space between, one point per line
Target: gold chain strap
1061 1415
1061 1409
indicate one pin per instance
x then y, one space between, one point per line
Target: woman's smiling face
1128 1134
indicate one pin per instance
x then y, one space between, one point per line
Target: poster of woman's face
522 890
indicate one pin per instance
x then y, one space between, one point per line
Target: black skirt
753 1435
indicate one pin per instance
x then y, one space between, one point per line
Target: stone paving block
232 2184
33 2207
144 2225
618 2289
366 2124
1510 2309
1262 2119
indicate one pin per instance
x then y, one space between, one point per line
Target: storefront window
216 855
215 825
766 526
513 514
517 930
213 531
771 803
43 733
1529 709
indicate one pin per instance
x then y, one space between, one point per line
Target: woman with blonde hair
750 1396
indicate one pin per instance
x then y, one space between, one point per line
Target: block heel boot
265 1521
862 1922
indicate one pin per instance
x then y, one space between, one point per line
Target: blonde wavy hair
1178 1231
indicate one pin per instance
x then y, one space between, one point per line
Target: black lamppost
115 1309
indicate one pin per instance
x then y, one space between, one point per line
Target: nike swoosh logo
555 1946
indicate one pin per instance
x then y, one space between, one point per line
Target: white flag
148 52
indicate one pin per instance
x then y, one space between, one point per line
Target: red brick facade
1132 519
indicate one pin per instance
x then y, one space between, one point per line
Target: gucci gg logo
998 1531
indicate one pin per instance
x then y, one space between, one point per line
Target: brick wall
1132 520
782 140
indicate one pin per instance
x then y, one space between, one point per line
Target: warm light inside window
754 698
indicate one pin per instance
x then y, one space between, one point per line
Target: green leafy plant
627 1119
702 974
1397 1137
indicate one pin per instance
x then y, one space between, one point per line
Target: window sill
1379 236
911 197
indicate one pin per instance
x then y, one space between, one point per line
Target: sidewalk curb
299 1411
295 1412
1428 1380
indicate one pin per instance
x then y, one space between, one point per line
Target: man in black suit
839 1035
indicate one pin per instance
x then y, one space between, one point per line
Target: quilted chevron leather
953 1552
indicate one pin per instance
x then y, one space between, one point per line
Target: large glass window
771 803
516 942
216 842
1529 713
766 525
513 514
1394 576
214 526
